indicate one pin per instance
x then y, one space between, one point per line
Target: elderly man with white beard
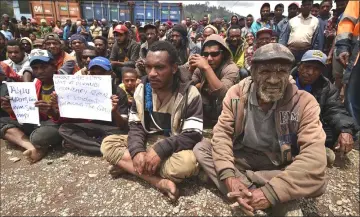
268 144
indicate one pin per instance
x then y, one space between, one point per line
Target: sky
243 7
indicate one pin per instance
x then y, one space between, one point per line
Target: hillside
197 11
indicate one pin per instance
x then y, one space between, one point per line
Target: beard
271 93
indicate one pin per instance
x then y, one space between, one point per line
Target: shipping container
105 9
143 11
171 11
55 10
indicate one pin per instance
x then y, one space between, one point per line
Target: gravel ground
73 183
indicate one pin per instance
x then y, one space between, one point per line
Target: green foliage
197 11
6 8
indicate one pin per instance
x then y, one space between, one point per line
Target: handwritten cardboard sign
22 99
84 96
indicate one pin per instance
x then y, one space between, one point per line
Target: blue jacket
258 24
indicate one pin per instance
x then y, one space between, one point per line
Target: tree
6 8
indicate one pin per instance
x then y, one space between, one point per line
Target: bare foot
115 171
169 188
34 155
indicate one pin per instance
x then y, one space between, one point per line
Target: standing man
303 32
315 10
67 33
347 51
24 27
165 123
283 25
268 145
95 29
278 13
248 23
324 16
104 28
264 21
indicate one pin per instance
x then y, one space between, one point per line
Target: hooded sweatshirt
227 73
300 137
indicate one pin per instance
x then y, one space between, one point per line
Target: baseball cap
40 55
294 3
121 29
52 36
264 29
42 21
151 26
102 62
314 55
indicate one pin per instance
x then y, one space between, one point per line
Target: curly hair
165 46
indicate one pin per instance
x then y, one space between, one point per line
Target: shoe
330 157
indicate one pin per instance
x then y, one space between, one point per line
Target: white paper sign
22 99
84 96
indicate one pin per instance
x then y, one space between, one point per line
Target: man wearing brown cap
65 63
268 145
125 51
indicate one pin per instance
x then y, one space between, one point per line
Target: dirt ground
74 183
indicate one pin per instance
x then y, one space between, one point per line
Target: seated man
237 47
125 51
65 63
87 55
165 123
129 83
35 139
18 60
88 136
214 74
338 125
268 145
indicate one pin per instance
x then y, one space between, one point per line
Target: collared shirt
260 128
302 30
95 31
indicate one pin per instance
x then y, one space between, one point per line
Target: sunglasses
91 57
212 54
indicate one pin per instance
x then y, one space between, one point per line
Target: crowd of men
279 93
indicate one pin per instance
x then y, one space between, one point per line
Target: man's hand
259 201
140 64
152 162
44 107
345 143
239 191
114 102
5 104
54 102
197 61
344 58
139 162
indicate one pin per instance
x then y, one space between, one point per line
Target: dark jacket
186 122
333 113
129 54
